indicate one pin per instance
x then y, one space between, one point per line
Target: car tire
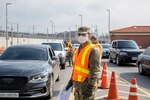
140 69
58 79
63 66
110 60
118 61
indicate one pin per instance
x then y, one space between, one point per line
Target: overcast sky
65 13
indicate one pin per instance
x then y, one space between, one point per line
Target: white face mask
82 39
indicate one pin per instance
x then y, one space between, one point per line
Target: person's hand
88 91
70 83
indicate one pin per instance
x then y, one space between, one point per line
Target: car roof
106 44
53 42
31 46
121 40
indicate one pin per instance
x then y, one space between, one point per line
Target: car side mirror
55 58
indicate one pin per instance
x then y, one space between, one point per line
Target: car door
113 52
53 63
146 60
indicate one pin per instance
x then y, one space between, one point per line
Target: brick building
140 34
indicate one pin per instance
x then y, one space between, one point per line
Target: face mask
82 39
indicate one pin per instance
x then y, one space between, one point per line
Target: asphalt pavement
123 74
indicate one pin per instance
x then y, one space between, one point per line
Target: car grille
12 83
133 54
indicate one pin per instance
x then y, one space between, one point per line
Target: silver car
59 50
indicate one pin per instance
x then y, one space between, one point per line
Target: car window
106 46
24 53
55 46
147 51
114 45
127 44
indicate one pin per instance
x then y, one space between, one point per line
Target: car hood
22 67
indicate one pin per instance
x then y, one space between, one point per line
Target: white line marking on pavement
124 85
138 88
138 94
130 83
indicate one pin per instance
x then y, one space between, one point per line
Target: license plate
8 95
134 58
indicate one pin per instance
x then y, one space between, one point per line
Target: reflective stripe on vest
81 70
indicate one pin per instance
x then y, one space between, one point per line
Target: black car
28 71
124 51
143 62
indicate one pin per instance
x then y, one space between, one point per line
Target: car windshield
127 44
106 46
24 53
55 46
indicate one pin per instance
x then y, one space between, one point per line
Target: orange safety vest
81 69
1 50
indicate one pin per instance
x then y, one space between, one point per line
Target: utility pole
52 27
6 25
33 29
17 34
81 19
76 30
109 22
69 34
47 34
11 34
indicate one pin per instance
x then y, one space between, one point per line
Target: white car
59 50
75 46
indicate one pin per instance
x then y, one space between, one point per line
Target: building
140 34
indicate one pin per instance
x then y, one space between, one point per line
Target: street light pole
52 27
47 34
81 19
6 25
17 34
108 21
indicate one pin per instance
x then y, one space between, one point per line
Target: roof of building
133 29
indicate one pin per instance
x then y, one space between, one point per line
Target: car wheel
57 79
110 60
140 69
118 61
63 66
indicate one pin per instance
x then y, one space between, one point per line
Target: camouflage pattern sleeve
94 65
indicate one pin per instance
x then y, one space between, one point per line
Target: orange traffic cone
133 90
113 90
104 82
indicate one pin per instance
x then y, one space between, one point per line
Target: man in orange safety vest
86 67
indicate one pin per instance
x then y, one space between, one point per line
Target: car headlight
40 77
123 53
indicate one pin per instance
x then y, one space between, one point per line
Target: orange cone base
120 98
133 98
104 87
